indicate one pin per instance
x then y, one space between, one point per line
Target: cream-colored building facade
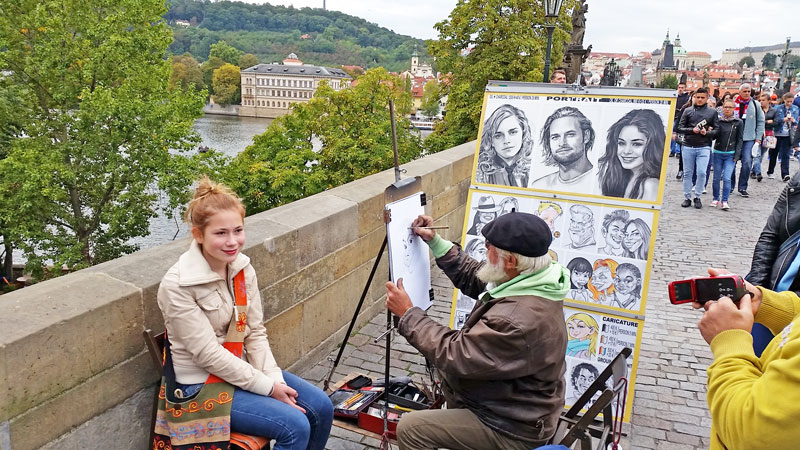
270 90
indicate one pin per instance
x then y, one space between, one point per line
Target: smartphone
703 289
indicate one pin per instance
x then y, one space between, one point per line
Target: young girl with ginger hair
198 298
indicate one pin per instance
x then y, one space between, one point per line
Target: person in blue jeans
699 124
749 110
786 118
727 150
769 120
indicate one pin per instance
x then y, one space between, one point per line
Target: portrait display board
408 254
591 162
594 339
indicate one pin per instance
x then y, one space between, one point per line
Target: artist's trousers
452 428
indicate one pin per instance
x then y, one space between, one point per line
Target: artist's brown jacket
506 364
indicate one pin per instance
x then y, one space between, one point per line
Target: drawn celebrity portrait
549 212
476 249
582 332
601 285
508 204
631 166
637 239
580 378
567 137
581 226
506 146
613 231
580 271
485 212
627 287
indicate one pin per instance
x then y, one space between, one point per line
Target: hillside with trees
271 32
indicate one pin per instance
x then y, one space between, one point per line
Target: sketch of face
408 241
578 329
507 139
633 238
583 381
581 229
486 217
626 282
478 252
616 233
566 141
549 215
630 147
581 279
601 278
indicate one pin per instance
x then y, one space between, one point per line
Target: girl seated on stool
196 297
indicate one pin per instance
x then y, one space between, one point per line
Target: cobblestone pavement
669 408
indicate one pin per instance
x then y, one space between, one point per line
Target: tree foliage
669 82
489 40
769 60
430 98
248 60
225 52
185 73
335 138
227 85
104 135
208 67
747 60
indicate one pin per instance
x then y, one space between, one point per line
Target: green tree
337 137
225 52
747 60
12 112
769 60
248 60
669 82
227 85
430 98
186 72
502 40
208 67
104 134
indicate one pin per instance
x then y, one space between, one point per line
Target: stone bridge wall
74 371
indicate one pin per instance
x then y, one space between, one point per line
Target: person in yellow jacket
754 402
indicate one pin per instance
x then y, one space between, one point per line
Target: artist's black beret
519 232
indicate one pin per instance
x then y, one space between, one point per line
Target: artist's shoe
697 203
786 178
759 178
679 175
714 203
686 203
725 206
743 193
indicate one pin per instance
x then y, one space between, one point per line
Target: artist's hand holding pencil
422 227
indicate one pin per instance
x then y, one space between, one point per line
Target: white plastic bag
756 152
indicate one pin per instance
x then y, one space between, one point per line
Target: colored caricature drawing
582 332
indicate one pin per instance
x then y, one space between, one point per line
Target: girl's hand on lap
286 394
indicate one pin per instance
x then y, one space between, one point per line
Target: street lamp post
552 8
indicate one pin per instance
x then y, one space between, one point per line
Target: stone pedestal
574 58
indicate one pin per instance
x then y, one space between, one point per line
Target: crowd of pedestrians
717 133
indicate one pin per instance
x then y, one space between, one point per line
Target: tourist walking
699 125
727 150
786 117
683 97
768 140
752 116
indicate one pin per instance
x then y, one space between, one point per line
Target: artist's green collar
551 283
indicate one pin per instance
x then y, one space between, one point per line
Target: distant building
182 23
422 70
270 90
734 55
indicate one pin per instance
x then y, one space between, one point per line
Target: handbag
203 421
770 141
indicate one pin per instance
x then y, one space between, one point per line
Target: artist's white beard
492 273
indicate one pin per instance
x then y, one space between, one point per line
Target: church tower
414 60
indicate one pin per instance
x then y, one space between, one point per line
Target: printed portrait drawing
464 303
567 138
637 239
631 165
581 226
601 285
476 249
506 146
549 212
485 212
508 204
627 287
580 271
580 378
582 332
613 231
461 319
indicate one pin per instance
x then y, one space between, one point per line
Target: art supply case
348 403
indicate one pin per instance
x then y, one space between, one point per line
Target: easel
401 188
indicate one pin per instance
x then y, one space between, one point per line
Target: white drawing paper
408 253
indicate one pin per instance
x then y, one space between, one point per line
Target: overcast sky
625 26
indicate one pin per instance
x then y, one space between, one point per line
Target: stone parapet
71 352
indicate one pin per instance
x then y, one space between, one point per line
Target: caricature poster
591 162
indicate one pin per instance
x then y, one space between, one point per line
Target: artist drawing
601 285
580 271
582 336
485 212
613 231
408 255
581 227
567 137
627 287
505 148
